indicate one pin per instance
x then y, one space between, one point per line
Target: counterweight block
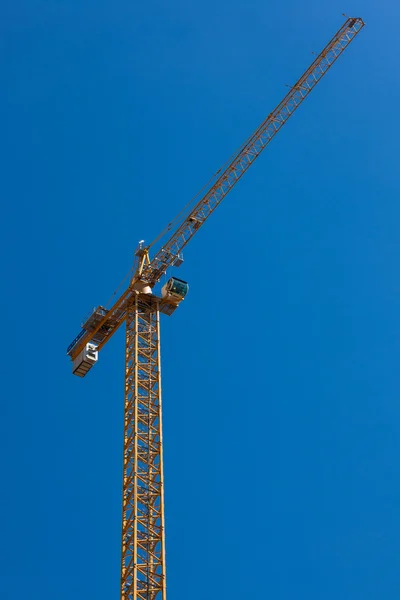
85 360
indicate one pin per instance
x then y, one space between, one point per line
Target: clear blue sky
281 368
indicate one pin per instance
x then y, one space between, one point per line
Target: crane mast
143 533
143 541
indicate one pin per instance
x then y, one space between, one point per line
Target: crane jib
251 150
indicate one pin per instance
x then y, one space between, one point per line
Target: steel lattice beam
251 150
143 537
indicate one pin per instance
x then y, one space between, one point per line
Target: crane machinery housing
143 574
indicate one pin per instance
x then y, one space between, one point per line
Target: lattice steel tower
143 545
143 533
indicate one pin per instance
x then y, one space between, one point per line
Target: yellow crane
143 533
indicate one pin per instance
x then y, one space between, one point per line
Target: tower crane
143 534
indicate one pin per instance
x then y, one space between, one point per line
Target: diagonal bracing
143 537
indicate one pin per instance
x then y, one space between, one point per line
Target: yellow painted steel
143 536
143 575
